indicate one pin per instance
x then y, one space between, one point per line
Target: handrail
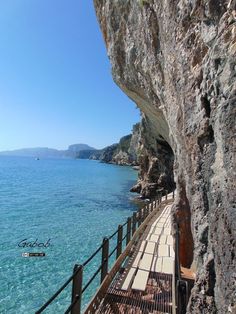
113 234
137 218
53 297
92 256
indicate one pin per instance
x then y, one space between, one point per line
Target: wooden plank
154 238
170 240
172 252
140 280
165 217
159 225
129 278
142 246
152 229
157 264
163 239
154 263
167 224
155 222
167 231
137 259
166 208
163 250
146 262
168 265
150 247
158 231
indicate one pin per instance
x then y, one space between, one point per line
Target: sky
56 87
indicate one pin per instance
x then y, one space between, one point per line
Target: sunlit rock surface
176 60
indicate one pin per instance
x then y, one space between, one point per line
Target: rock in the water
136 188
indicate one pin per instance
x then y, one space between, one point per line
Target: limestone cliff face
155 159
176 60
126 151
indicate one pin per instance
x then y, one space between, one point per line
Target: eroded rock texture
176 60
125 153
155 158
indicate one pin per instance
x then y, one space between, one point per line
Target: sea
63 208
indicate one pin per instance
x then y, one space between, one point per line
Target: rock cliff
126 151
155 158
176 60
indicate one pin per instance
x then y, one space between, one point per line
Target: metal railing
78 289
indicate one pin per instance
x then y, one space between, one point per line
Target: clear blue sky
56 87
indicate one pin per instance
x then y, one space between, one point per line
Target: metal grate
156 299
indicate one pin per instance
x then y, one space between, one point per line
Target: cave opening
206 105
166 166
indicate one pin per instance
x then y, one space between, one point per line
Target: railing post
105 253
134 223
177 248
151 206
119 241
166 194
128 236
145 211
139 217
77 288
142 214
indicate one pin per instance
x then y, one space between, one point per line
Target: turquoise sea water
74 203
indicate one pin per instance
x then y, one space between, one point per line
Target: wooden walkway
145 282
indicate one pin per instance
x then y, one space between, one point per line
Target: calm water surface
74 203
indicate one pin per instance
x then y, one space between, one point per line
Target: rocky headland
124 153
153 158
176 60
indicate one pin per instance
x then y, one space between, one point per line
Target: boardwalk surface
145 281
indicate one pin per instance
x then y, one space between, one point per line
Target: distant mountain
80 147
45 152
126 152
34 152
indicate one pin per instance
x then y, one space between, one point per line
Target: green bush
144 2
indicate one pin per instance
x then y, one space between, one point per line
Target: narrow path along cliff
147 280
143 279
